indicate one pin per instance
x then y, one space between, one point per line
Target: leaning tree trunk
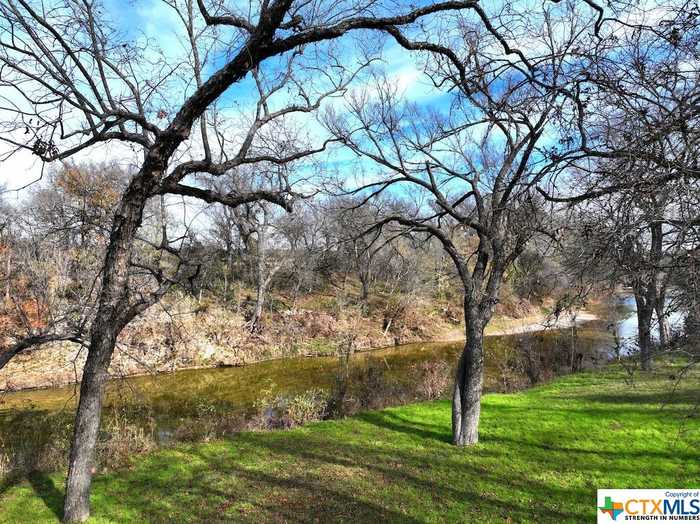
466 400
111 317
645 312
87 424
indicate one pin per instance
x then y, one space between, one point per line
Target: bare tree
639 132
350 221
477 167
621 239
57 239
256 224
6 212
304 234
71 82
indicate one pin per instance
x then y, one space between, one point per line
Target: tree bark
87 425
660 307
645 312
466 400
112 315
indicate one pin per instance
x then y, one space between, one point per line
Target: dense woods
271 170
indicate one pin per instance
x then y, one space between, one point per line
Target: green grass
541 457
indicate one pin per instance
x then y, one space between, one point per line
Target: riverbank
189 336
542 454
154 411
535 322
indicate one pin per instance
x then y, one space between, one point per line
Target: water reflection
627 327
241 386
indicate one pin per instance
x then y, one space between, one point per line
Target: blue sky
153 21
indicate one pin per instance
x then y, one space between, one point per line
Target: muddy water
191 405
238 388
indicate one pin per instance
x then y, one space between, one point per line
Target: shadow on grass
45 488
419 471
325 477
222 490
393 422
660 399
548 446
394 466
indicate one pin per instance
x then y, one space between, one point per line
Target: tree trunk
574 338
364 280
8 271
229 274
260 280
466 400
113 313
645 312
660 307
255 323
87 425
658 282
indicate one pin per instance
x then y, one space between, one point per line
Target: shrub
434 378
282 411
306 407
371 387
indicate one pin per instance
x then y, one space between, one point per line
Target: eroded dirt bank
188 335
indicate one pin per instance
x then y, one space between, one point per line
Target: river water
240 387
183 404
627 326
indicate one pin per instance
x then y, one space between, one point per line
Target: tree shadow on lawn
299 490
547 446
393 422
431 474
44 487
669 397
219 488
537 446
407 425
247 495
600 410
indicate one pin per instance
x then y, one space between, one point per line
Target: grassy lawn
541 457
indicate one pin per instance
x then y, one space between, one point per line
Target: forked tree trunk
466 400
